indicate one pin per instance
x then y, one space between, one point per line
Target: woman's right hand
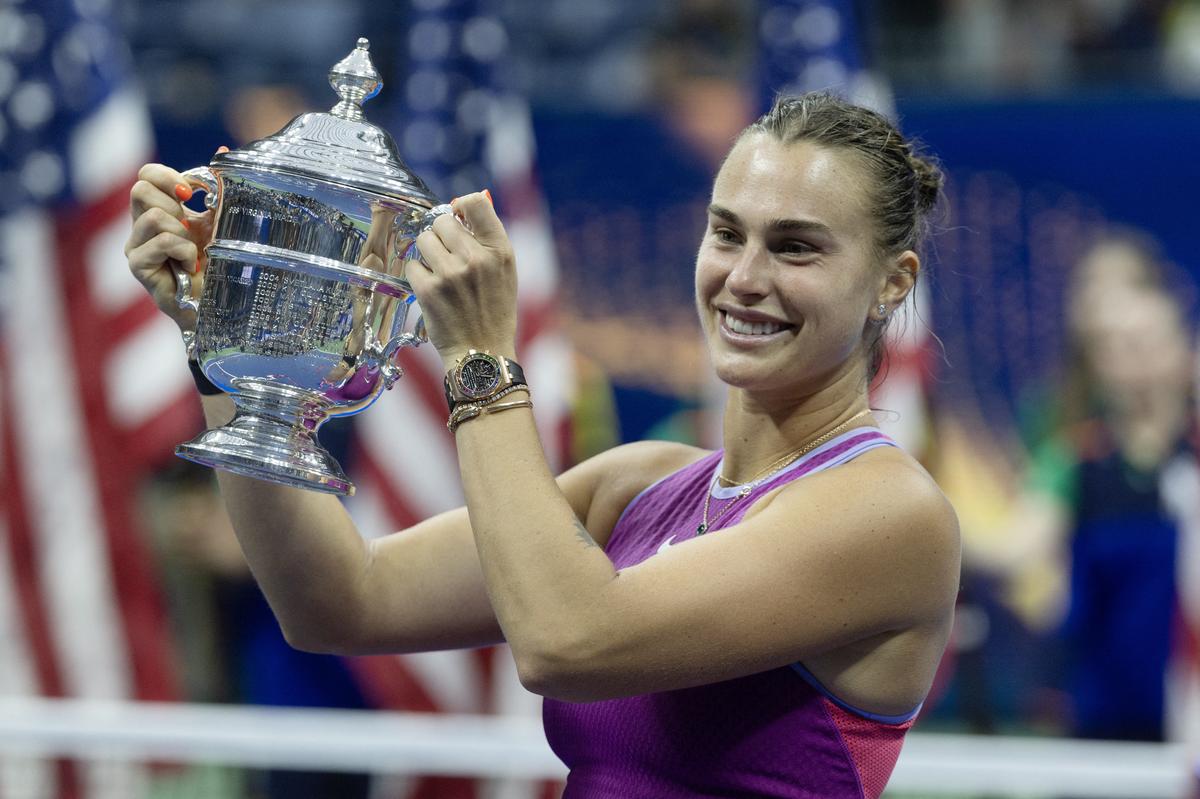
166 236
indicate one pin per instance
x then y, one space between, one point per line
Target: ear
899 279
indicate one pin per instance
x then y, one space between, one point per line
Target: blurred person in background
1112 477
786 655
1114 266
1118 476
698 62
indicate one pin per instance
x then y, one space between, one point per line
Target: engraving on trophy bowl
301 330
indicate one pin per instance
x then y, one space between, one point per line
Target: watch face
479 375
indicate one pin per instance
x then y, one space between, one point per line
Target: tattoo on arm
583 535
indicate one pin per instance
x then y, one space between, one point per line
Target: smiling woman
851 167
763 620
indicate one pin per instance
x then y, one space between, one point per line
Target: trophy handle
386 354
203 179
407 230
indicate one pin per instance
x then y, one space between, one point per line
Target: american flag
815 45
461 130
93 387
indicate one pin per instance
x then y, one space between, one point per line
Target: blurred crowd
617 55
1026 46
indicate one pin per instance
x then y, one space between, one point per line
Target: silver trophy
304 304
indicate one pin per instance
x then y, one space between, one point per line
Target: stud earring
882 310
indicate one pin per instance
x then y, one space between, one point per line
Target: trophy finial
355 80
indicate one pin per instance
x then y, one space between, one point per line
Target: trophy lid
340 146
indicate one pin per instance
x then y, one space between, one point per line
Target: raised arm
864 557
416 590
419 589
331 590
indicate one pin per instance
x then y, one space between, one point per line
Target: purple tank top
778 733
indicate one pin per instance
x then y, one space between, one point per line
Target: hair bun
930 180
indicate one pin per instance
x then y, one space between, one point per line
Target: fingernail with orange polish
183 192
488 194
186 225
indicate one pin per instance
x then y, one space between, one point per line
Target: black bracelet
203 384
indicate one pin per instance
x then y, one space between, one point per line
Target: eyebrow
803 225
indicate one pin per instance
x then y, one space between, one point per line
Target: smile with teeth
745 328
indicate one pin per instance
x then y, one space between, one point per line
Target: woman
699 623
1110 494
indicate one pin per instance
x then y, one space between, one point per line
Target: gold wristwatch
478 376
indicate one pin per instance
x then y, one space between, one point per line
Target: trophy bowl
304 303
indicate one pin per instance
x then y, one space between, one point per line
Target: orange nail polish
186 225
183 192
488 194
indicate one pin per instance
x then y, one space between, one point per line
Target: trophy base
272 437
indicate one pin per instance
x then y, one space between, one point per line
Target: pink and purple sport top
774 734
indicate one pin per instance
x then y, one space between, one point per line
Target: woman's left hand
466 281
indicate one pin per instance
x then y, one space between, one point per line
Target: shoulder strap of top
839 450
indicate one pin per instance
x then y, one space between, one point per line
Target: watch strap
515 372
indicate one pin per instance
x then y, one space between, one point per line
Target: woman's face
1106 274
787 275
1138 347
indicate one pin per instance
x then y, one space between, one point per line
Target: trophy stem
272 437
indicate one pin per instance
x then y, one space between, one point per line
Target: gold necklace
706 525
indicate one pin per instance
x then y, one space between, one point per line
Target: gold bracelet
465 412
483 403
504 406
461 414
470 410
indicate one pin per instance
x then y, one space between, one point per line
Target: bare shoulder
894 488
602 486
886 476
885 514
890 477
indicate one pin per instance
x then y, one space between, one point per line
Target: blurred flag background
91 386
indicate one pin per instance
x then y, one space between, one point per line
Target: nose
749 278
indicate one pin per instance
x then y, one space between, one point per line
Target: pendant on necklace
704 525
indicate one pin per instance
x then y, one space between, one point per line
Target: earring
882 309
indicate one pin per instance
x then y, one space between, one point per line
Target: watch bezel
472 394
